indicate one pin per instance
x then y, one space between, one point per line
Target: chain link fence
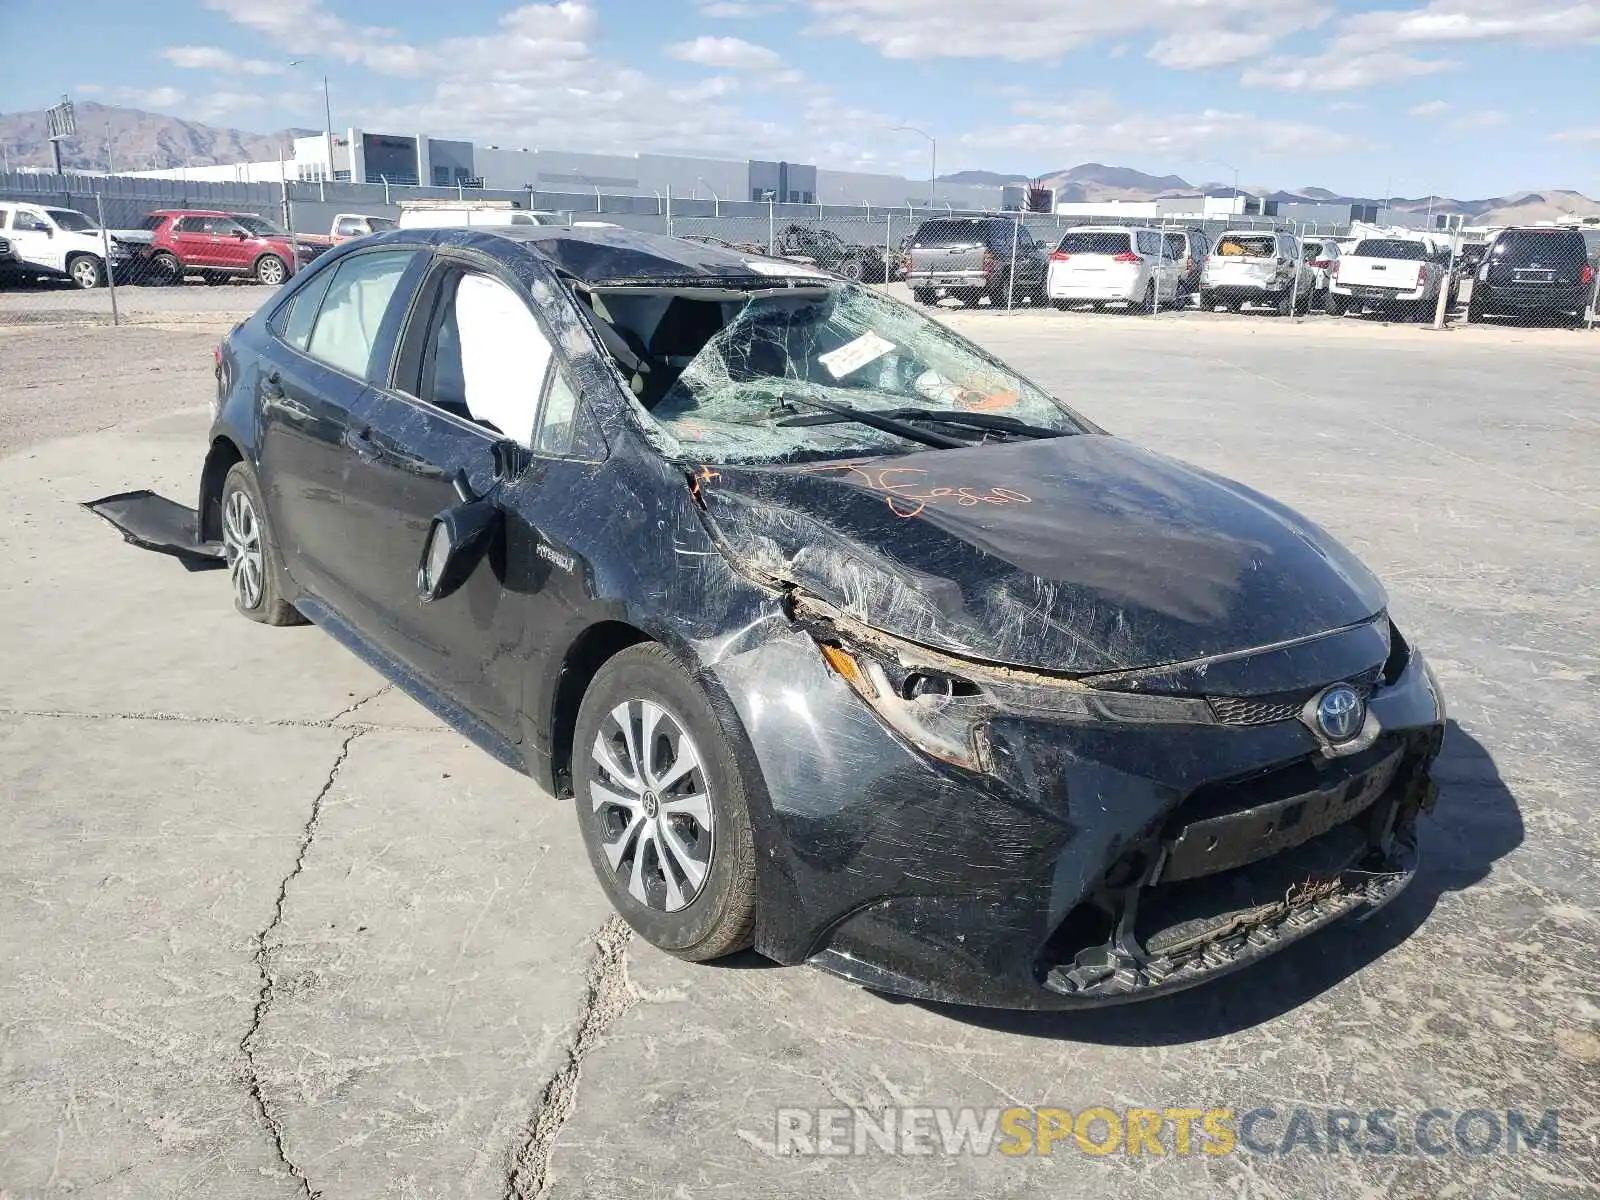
1245 266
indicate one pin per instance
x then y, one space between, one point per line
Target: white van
63 241
467 214
1115 264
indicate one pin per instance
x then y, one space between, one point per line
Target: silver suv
1254 266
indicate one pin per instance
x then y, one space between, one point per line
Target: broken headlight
941 705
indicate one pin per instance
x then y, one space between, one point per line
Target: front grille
1280 706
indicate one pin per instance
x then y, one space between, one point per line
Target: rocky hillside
137 140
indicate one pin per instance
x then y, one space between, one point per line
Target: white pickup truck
47 241
1398 276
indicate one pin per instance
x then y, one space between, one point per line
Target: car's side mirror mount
461 535
241 234
457 540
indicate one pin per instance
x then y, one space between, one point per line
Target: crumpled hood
1078 554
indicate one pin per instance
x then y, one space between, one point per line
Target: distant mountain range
137 141
143 140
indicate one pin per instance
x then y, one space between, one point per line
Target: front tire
923 295
255 568
86 272
271 270
662 807
168 270
1336 305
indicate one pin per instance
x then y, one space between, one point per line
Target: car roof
596 255
188 212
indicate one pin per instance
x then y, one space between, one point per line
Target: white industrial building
402 160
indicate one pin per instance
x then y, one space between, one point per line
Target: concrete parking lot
267 929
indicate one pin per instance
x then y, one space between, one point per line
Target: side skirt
451 713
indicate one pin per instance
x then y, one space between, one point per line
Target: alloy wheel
241 544
270 272
649 798
86 273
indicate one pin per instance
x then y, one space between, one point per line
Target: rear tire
1147 306
673 848
922 295
255 568
1208 301
1062 305
1336 305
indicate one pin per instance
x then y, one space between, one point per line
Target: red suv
220 246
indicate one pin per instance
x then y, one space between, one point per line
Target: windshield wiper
988 422
873 420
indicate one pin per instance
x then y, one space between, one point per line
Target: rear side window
1149 242
349 227
352 311
1177 247
1095 243
293 323
153 221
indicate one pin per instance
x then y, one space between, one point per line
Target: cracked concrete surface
265 946
609 996
258 908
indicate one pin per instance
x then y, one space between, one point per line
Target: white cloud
733 10
160 97
218 106
1478 20
1198 33
1209 48
726 53
1488 118
1581 136
1433 108
306 27
1374 48
1094 126
215 58
1338 70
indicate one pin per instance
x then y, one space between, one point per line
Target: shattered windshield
842 345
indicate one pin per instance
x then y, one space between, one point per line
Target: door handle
272 387
360 441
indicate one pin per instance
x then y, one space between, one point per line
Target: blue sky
1463 97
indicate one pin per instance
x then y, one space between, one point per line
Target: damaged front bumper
1084 863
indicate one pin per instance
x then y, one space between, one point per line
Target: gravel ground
267 929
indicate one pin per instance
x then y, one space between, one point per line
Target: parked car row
1534 272
46 242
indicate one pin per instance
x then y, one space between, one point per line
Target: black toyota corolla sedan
846 641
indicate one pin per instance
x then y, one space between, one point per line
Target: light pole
716 200
327 136
933 160
1217 162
